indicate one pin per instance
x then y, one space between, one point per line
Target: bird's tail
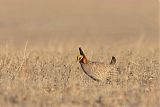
113 60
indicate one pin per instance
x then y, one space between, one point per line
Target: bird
98 71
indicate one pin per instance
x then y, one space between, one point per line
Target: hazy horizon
76 20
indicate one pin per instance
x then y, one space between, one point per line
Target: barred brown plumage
98 71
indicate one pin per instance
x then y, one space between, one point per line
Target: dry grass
44 72
45 77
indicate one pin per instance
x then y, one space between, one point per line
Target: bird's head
81 58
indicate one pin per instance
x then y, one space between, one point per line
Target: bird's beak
77 59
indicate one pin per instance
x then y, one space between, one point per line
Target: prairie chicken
98 71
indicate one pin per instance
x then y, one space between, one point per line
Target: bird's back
99 71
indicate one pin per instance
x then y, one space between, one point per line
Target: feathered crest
81 52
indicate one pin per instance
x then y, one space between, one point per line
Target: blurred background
79 22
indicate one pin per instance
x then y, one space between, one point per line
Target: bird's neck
84 60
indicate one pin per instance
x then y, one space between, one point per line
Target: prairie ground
48 75
39 41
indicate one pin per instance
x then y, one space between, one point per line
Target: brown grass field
39 42
47 77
